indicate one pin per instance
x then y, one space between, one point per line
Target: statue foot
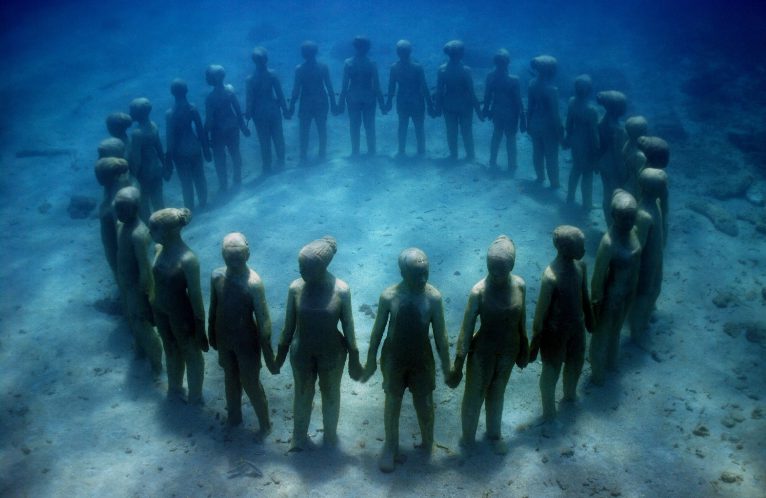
301 444
499 446
425 445
176 395
386 463
234 420
467 445
262 433
330 440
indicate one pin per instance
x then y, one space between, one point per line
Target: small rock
701 431
732 186
567 452
722 220
724 299
730 477
729 422
757 414
755 195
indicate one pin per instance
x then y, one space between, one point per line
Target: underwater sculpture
117 124
502 104
360 90
581 136
657 153
612 137
407 81
239 327
410 308
613 286
649 227
134 276
187 143
456 100
110 174
501 341
543 120
179 311
562 315
316 302
265 104
146 158
313 87
635 160
112 147
223 123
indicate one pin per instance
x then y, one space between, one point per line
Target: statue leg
476 381
368 115
183 167
195 368
496 397
278 136
139 316
304 379
233 387
418 121
424 408
329 385
597 352
305 125
322 132
573 363
219 160
198 177
154 193
173 362
549 377
249 374
236 156
586 184
574 178
613 344
355 125
638 318
494 145
109 240
451 122
538 157
264 141
466 128
552 160
404 121
391 413
510 149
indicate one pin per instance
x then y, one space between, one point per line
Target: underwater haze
684 416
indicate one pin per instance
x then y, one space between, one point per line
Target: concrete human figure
111 147
543 119
613 286
410 309
562 315
239 327
223 123
179 311
147 158
456 100
316 303
498 300
502 104
111 173
635 160
407 81
653 184
582 138
360 90
612 138
657 153
313 88
265 105
134 276
187 143
118 124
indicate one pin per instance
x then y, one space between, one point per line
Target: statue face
498 269
125 211
159 233
312 270
415 274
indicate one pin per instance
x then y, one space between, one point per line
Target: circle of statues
163 301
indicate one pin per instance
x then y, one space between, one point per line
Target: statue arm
440 335
145 278
439 92
277 85
328 86
249 98
169 139
263 319
212 314
376 336
347 323
488 95
288 330
523 356
238 113
391 87
200 130
520 106
376 86
544 300
600 274
296 91
194 291
464 338
472 92
586 307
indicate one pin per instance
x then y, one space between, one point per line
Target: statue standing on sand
502 104
361 90
409 308
649 227
456 99
498 300
562 315
612 138
179 311
134 276
223 123
543 120
582 137
147 158
239 327
613 287
407 81
111 173
265 105
187 144
313 88
635 160
316 302
117 124
657 153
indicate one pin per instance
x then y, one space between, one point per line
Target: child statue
502 104
360 90
635 128
134 276
582 137
407 81
657 153
146 158
223 123
456 99
239 327
562 315
543 120
313 88
265 105
179 311
316 302
613 287
501 341
111 173
409 308
117 124
612 138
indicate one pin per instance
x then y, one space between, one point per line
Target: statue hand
534 347
369 369
454 378
355 369
279 360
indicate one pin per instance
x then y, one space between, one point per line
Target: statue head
403 49
309 49
260 56
501 257
653 183
126 204
413 266
624 210
178 88
569 241
502 59
111 147
235 250
361 45
454 49
315 257
635 127
117 124
108 169
615 103
214 74
545 66
656 150
165 223
140 109
583 86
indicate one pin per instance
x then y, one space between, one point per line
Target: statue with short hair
543 120
581 136
265 105
502 104
147 158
